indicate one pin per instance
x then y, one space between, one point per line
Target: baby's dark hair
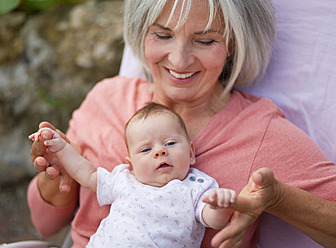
154 109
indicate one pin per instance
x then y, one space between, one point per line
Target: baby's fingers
33 136
220 197
211 198
226 197
55 145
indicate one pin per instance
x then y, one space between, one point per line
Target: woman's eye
162 36
145 150
171 143
206 42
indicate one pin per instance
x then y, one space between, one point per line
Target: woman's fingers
65 184
46 124
38 148
232 235
40 164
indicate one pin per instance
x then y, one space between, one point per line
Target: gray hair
249 31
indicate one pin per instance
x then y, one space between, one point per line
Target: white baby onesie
147 216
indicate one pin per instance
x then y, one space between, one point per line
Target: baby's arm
74 164
216 213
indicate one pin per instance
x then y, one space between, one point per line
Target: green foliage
38 4
8 5
57 103
30 6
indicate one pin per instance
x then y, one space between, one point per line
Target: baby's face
159 150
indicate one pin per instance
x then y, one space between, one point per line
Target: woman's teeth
180 76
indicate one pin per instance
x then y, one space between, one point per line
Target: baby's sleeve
202 183
105 184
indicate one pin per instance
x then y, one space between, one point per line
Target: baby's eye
170 143
144 150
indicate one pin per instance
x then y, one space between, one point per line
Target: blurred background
52 52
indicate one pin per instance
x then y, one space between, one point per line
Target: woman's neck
197 114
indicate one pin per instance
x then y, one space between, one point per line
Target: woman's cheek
155 50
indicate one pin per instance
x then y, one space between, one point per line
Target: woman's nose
160 151
181 56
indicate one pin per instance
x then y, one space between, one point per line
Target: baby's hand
36 136
220 197
55 144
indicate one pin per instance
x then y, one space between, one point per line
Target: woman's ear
192 153
129 162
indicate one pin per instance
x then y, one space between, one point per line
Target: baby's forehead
160 122
150 117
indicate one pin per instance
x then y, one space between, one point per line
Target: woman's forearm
47 218
312 215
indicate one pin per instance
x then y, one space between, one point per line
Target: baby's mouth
164 165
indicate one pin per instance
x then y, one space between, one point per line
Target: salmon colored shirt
248 134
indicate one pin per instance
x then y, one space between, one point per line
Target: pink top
249 133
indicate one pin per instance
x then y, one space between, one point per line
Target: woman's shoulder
118 95
250 104
262 112
244 114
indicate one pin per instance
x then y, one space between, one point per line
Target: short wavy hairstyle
249 29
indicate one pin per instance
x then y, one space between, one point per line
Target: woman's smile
181 75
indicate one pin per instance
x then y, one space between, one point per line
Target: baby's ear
129 162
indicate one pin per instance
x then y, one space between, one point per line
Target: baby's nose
160 152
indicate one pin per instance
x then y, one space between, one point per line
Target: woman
194 60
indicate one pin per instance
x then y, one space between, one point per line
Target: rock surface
48 63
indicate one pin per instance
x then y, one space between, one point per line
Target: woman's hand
259 194
47 163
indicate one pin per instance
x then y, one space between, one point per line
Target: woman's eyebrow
161 26
197 33
207 31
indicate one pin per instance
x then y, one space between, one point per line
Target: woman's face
185 63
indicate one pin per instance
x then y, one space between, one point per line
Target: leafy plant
29 6
8 5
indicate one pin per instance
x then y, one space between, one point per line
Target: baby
156 199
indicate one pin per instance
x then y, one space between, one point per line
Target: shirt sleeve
43 213
201 184
105 184
296 160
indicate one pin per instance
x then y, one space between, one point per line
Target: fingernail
65 188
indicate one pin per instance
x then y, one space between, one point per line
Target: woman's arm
49 219
50 208
312 215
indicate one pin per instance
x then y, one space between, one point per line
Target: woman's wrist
277 196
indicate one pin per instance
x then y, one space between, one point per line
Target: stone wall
48 63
